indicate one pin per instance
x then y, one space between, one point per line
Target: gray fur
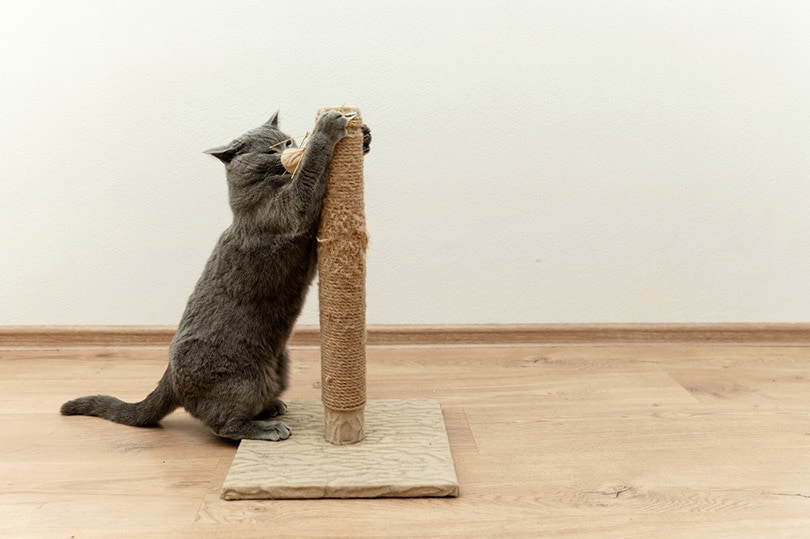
228 362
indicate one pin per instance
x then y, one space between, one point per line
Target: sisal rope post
342 242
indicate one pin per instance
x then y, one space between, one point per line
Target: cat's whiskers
286 140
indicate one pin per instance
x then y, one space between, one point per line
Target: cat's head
259 149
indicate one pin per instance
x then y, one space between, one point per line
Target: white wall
554 161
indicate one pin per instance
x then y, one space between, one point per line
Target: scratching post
342 242
345 447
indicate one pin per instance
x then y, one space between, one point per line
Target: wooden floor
644 441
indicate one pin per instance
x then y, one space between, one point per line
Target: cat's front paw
332 123
366 139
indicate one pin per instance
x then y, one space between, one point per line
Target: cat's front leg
305 193
329 130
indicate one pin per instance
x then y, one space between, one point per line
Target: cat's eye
289 143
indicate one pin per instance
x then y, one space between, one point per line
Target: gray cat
228 362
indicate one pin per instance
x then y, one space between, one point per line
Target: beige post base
342 428
406 454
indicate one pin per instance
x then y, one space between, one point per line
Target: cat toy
291 157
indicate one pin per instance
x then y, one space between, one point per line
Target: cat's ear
225 153
273 121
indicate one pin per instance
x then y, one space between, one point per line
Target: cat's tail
157 405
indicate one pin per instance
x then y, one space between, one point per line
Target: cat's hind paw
274 409
275 431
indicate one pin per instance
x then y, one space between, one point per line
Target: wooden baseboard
438 335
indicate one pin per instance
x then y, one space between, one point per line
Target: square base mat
406 453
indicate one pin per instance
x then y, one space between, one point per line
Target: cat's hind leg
235 420
234 414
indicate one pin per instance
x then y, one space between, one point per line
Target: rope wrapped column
342 242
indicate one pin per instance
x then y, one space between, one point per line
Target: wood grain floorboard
608 440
